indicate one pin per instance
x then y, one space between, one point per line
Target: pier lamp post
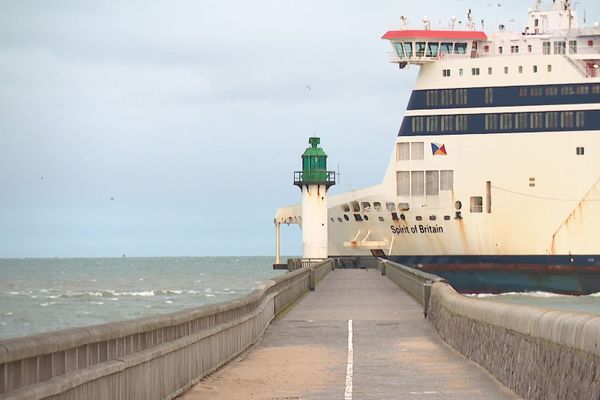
314 180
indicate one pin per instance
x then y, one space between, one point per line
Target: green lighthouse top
314 166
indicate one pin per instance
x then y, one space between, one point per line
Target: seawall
149 358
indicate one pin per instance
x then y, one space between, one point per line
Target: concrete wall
538 353
149 358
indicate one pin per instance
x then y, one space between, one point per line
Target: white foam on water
209 295
168 302
96 302
8 314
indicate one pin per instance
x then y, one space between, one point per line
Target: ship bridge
426 45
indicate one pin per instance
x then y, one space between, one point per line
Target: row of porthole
365 206
395 217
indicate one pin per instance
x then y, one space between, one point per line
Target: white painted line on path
350 364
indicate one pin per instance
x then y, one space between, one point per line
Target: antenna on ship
453 21
404 20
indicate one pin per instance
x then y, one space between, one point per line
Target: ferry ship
494 178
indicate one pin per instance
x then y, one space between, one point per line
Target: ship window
357 217
403 183
446 180
579 119
535 69
403 151
529 48
408 49
345 208
446 48
346 217
458 204
460 48
417 151
332 220
596 89
579 151
432 49
506 70
395 216
419 218
573 46
390 206
476 204
486 48
549 68
400 50
460 72
432 180
520 69
339 219
514 49
366 217
489 70
560 47
377 206
403 206
546 48
355 206
500 50
381 218
446 72
489 95
432 217
590 43
446 218
474 71
417 183
491 122
366 206
420 49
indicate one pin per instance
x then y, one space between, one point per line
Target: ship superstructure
494 181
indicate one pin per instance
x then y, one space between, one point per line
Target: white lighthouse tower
314 180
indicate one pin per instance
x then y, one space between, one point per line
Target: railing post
426 296
382 263
312 280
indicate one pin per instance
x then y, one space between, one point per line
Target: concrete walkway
396 352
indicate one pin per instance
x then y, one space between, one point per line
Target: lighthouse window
432 180
476 204
420 49
366 206
417 150
446 180
390 206
355 206
417 183
377 206
573 46
400 50
408 49
403 183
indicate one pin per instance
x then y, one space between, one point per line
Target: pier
396 353
319 333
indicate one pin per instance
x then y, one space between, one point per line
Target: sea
40 295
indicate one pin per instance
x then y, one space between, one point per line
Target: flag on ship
438 149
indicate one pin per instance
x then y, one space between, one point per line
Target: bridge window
560 47
432 49
446 48
460 48
420 49
408 49
400 50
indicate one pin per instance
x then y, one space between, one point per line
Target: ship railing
299 263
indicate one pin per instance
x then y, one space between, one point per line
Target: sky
172 128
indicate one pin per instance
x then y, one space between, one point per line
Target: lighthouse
314 180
